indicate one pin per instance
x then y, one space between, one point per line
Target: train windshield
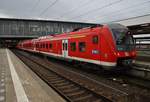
124 39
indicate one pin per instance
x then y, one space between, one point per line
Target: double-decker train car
105 45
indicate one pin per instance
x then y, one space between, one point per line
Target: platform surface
19 84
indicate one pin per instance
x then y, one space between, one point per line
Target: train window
43 45
95 39
37 46
73 46
50 46
47 46
82 46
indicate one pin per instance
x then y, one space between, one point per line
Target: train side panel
82 46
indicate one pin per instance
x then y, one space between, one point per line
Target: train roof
68 34
75 31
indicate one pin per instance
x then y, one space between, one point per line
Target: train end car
125 51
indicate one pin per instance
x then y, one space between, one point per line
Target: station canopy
89 11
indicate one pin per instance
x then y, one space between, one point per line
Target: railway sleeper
69 90
47 73
41 74
67 86
83 98
97 100
51 75
76 93
61 84
79 94
54 78
59 81
91 99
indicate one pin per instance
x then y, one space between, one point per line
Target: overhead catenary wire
131 18
36 4
120 10
74 9
50 5
96 9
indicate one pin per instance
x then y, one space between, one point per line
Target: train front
124 43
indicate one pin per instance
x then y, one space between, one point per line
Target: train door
34 46
65 48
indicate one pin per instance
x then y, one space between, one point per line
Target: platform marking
20 93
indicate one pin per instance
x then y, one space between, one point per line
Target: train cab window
95 39
50 46
82 46
73 46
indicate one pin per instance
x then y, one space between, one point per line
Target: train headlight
133 53
118 54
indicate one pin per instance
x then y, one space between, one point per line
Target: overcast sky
95 11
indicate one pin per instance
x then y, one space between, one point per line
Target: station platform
142 62
19 84
143 56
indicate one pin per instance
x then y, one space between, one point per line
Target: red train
106 45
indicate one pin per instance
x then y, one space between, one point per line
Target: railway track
73 86
69 89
